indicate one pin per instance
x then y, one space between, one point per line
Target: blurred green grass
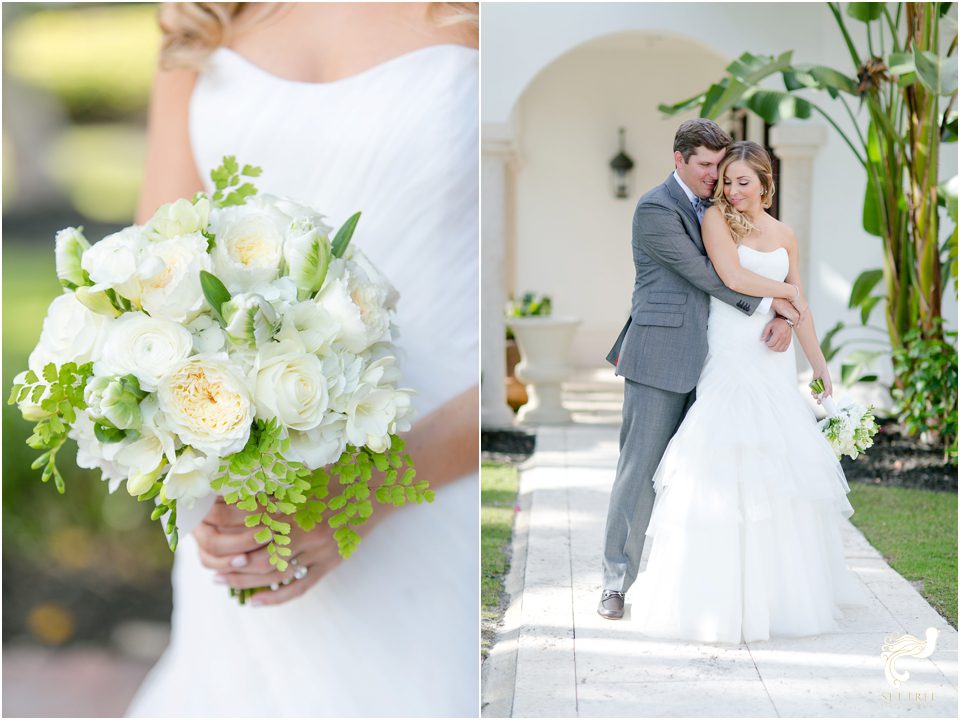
498 494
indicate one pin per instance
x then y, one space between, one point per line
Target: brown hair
758 159
699 132
193 30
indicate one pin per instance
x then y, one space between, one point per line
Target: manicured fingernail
239 561
220 579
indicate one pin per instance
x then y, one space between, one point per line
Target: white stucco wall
561 77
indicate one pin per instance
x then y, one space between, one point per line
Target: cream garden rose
207 404
249 247
174 292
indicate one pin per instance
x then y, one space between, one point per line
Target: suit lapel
686 208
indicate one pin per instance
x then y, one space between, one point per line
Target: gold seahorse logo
898 646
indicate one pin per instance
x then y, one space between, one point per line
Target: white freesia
178 218
189 477
370 413
95 455
174 293
291 386
309 323
70 246
145 455
145 347
206 402
249 247
71 333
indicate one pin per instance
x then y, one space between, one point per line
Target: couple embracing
721 462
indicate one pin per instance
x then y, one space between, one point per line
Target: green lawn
498 493
916 532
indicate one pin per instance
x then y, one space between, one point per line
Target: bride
749 496
345 107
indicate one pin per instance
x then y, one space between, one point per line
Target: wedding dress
393 630
746 523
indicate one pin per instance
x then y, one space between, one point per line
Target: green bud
139 483
249 319
179 218
115 400
96 301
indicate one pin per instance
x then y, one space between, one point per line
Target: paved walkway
555 657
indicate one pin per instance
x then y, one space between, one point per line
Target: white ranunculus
208 335
249 247
71 333
311 323
178 218
189 477
70 246
174 293
121 262
207 404
322 445
95 455
145 347
291 387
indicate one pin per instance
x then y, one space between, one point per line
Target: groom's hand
777 334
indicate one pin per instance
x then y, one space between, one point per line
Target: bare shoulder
785 235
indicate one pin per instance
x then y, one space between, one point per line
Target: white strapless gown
392 631
746 524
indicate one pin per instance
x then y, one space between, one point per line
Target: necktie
701 205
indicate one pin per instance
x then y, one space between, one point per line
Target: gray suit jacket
664 342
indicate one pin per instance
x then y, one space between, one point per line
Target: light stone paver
570 662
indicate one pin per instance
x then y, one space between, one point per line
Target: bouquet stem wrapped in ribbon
849 429
230 347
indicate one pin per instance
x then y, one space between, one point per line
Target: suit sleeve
659 233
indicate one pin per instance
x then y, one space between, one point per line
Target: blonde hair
193 30
758 160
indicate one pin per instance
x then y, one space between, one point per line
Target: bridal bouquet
849 429
227 346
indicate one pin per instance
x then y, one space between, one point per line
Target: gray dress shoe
611 605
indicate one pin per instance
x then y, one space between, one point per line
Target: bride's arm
170 169
806 332
723 254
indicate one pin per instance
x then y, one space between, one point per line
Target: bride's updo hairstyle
758 159
193 30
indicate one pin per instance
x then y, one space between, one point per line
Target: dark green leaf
214 291
775 105
108 434
866 307
872 216
865 11
344 234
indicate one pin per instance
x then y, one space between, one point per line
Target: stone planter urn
544 364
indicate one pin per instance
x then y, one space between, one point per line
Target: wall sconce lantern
621 171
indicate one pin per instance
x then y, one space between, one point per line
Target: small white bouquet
227 346
849 429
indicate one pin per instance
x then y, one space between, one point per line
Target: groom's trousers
650 418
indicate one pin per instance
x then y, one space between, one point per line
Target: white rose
322 445
71 333
291 387
178 218
174 293
249 247
207 404
189 477
145 347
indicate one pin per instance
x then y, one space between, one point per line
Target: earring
762 191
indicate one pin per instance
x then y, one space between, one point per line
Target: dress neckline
762 252
370 71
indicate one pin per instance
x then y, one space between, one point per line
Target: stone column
796 144
496 152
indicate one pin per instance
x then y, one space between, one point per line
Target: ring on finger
299 571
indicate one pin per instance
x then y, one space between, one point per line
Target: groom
662 348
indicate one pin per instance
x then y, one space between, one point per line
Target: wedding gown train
393 630
745 528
